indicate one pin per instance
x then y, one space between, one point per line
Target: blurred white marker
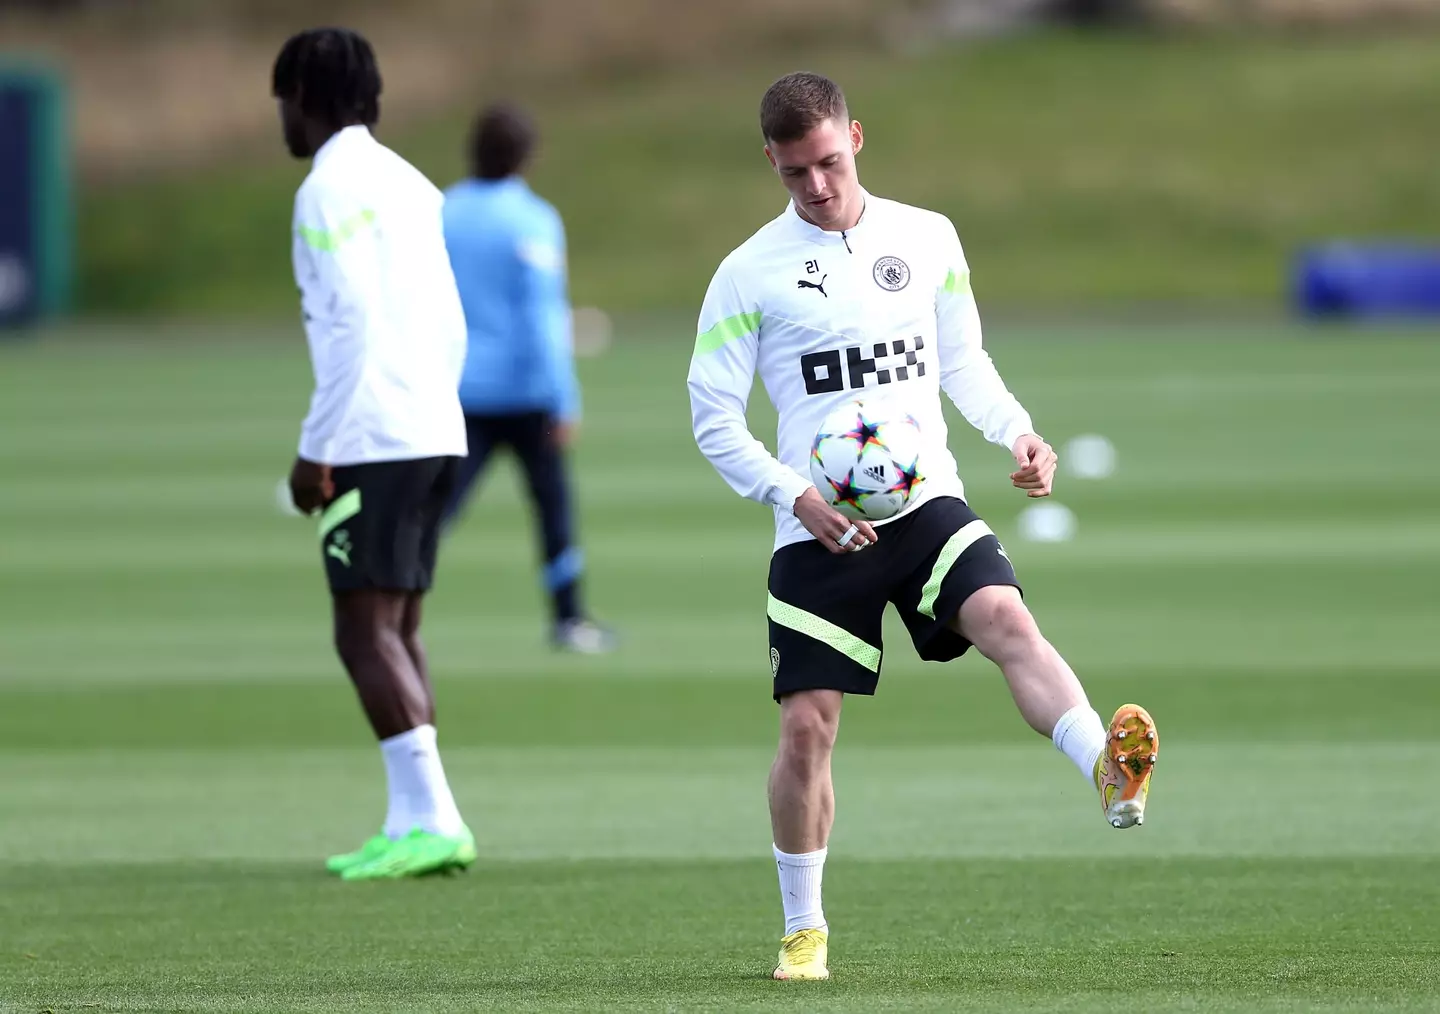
1047 522
1088 457
283 503
592 330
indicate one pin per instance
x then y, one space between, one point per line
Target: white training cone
1088 457
1047 522
591 329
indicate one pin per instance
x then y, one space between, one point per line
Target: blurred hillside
1080 171
161 85
1154 162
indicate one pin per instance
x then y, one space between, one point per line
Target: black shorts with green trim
381 529
825 609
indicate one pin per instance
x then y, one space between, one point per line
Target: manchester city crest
892 273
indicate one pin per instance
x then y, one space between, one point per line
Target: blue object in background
36 218
1400 280
507 246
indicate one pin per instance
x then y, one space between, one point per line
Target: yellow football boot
1122 774
803 955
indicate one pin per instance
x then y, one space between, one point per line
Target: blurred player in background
381 446
519 389
844 297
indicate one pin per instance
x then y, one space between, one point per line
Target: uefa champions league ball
866 461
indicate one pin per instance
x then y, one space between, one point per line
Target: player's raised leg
1051 699
802 811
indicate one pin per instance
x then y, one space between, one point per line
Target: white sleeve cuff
788 487
1018 427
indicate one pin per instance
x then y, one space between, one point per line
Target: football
865 461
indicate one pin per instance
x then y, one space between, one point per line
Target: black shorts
382 528
826 609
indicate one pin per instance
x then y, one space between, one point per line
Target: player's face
292 125
819 172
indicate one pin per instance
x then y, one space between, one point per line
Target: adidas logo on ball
865 461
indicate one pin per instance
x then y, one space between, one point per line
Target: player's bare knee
410 638
998 623
410 619
356 642
360 638
808 727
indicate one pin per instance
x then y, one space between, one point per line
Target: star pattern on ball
845 492
864 433
908 478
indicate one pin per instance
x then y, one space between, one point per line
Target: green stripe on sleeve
330 240
958 284
949 553
345 507
727 330
825 632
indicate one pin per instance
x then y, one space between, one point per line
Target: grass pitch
179 750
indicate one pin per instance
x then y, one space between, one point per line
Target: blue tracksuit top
507 248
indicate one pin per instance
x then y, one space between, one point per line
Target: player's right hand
829 526
311 486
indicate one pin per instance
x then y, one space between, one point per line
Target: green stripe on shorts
825 632
949 553
345 507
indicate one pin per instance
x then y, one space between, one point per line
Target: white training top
880 312
382 314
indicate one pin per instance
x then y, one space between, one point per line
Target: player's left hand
1037 461
311 487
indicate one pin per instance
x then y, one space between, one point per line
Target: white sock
419 794
800 877
1080 735
397 812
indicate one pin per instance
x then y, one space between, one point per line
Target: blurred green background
177 743
1081 171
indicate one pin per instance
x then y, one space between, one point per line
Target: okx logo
836 369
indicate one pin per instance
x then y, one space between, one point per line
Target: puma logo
339 547
803 284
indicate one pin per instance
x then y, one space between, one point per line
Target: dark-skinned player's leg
375 647
410 633
380 549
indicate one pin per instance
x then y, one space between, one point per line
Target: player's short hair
333 73
501 141
798 103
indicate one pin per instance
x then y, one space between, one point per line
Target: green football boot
373 848
416 855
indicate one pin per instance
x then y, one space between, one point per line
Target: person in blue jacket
518 389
